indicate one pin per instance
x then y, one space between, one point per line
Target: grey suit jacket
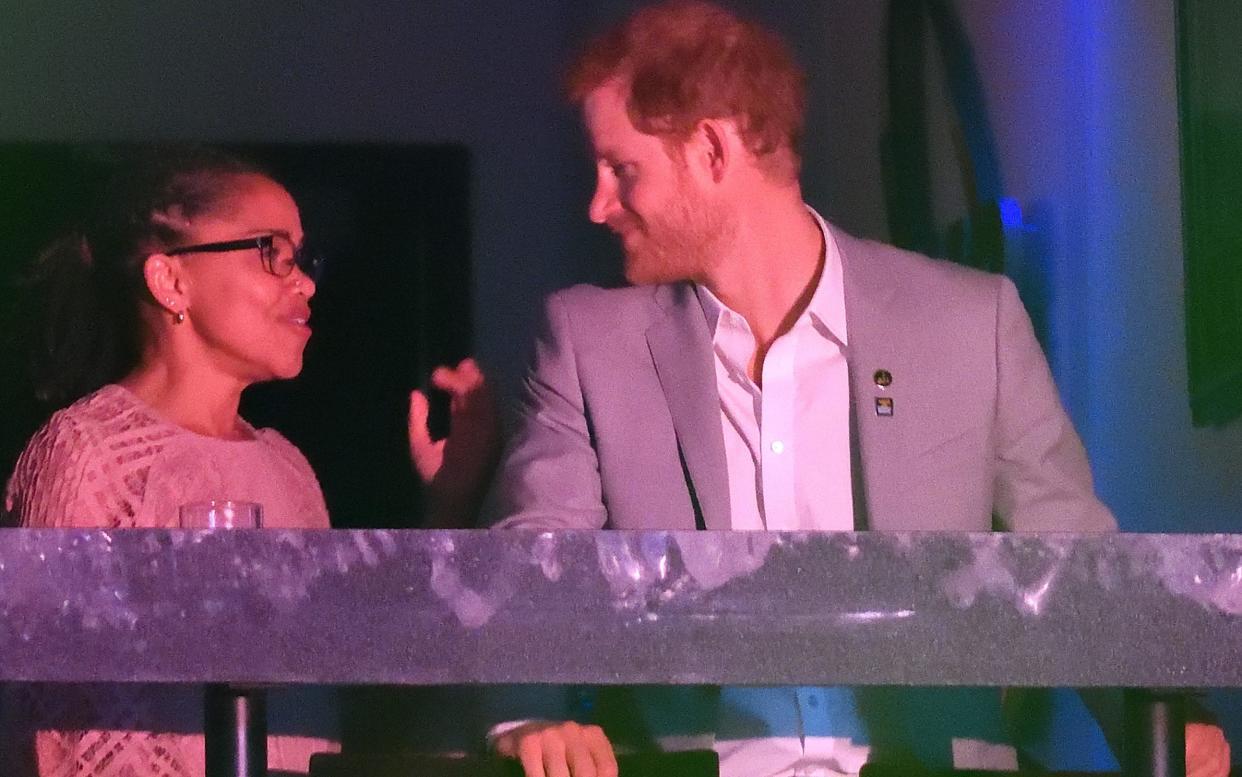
619 422
619 426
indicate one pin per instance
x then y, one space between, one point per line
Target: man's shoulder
920 282
586 295
911 265
616 309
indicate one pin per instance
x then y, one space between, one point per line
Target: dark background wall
1082 97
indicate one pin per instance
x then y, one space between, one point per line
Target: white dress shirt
787 448
787 445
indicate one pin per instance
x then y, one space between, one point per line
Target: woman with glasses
189 283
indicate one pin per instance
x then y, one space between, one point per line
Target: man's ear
714 142
162 274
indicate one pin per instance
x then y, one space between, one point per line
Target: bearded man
768 371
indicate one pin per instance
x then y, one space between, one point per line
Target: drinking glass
221 514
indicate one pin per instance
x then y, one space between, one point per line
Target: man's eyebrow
611 156
600 151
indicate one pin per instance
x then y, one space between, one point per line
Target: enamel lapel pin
883 405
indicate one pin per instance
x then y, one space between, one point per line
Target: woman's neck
203 403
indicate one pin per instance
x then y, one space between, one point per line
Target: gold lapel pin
883 378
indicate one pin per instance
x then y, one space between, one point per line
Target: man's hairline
674 143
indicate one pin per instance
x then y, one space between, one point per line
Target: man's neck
771 270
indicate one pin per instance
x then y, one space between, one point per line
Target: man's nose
603 202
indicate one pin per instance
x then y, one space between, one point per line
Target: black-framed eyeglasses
277 252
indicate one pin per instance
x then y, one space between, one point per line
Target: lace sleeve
62 480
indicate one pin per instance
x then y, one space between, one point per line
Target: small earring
178 315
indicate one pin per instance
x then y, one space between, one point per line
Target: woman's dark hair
88 284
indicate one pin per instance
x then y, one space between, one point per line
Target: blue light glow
1010 213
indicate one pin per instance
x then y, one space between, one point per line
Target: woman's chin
286 371
289 373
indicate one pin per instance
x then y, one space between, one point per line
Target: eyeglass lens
281 256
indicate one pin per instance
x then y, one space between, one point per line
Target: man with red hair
767 371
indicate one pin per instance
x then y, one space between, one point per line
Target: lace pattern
109 460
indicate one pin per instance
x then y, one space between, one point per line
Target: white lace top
109 460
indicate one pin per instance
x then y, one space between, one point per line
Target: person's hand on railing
456 469
559 749
1207 751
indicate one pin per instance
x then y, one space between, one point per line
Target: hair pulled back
89 285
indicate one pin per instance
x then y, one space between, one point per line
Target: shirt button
778 447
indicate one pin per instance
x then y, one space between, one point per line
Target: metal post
235 738
1155 734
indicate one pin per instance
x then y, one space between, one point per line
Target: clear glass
221 514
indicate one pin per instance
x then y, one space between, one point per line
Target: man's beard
681 243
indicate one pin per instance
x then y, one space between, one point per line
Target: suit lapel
680 345
875 344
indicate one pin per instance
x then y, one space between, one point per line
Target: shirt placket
776 432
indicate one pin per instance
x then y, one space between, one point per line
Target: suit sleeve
1042 477
549 473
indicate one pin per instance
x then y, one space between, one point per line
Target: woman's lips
301 320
